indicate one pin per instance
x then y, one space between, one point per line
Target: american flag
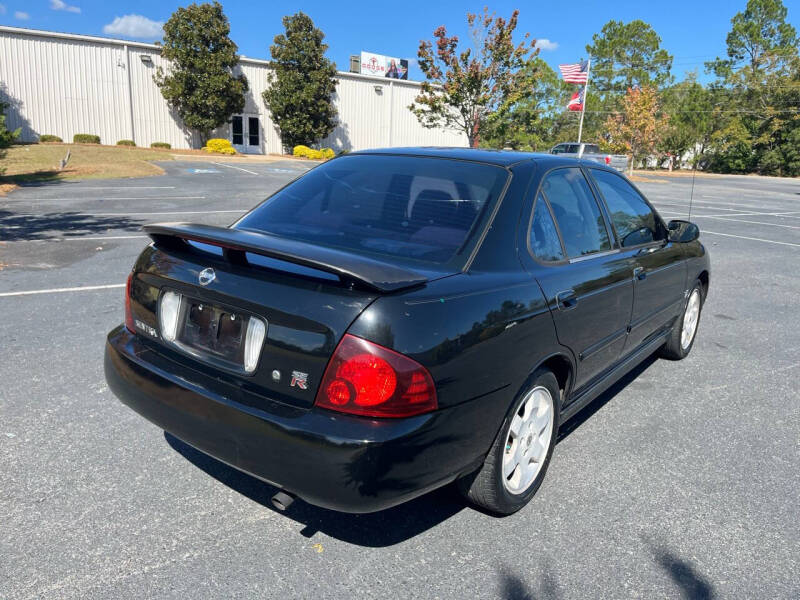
575 73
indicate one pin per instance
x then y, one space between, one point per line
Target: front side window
576 211
405 207
544 241
634 221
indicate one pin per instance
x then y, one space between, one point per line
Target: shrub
86 138
306 152
126 143
161 145
219 146
230 151
49 138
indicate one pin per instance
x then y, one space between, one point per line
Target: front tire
517 462
684 331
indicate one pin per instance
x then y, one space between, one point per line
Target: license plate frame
201 341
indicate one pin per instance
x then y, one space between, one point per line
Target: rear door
587 282
659 268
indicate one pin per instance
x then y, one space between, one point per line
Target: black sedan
396 320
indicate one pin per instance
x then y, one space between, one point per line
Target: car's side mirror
682 231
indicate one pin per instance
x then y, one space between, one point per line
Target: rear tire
684 331
518 459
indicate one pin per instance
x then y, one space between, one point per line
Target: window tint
591 149
633 219
544 241
405 207
577 214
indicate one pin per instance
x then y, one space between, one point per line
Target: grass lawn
40 162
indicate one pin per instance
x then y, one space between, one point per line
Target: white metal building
63 84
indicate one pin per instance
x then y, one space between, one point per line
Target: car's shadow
383 528
379 529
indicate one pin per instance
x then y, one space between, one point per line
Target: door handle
640 273
566 300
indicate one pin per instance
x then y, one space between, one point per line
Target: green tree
470 88
200 82
760 40
625 55
733 148
757 83
529 124
691 120
7 137
300 95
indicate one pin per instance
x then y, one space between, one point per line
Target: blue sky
693 32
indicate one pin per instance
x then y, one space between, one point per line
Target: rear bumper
336 461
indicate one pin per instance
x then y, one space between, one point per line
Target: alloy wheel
528 440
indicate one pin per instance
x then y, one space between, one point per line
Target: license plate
213 329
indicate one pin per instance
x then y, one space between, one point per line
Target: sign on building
379 65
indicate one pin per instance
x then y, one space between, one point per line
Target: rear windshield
591 149
420 209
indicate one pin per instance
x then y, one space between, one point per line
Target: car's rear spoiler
353 268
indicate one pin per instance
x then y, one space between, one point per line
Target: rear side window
576 211
544 241
422 209
634 221
591 149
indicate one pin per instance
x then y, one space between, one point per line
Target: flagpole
583 106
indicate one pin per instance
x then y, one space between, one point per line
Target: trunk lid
307 296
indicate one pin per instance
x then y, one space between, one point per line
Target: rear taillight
608 160
128 312
366 379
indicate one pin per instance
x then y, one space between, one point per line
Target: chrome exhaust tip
282 500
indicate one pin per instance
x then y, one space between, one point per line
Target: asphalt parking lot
682 481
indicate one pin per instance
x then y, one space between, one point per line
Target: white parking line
93 238
21 200
125 187
237 168
748 204
744 237
174 212
791 215
728 218
710 206
87 288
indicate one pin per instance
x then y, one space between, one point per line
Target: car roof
503 158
